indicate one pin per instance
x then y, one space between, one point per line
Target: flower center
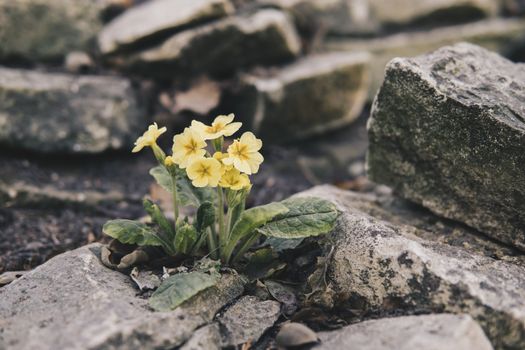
215 128
241 151
204 171
191 147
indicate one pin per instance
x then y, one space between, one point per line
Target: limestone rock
313 95
405 12
429 332
386 257
48 112
157 18
247 319
501 35
222 47
447 131
74 302
205 338
44 30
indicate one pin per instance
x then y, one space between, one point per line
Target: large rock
222 47
406 12
505 36
447 130
46 112
385 256
44 30
74 302
313 95
155 19
429 332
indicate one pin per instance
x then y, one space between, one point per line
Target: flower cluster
227 169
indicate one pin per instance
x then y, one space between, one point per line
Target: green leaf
158 217
262 264
281 244
179 288
205 216
306 217
131 232
253 218
187 193
185 238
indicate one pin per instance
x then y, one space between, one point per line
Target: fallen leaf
145 280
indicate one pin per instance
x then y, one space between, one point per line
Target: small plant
202 173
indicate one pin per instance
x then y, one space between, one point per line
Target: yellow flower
205 172
235 180
221 126
168 161
149 138
243 154
187 148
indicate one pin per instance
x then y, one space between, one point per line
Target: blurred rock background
81 79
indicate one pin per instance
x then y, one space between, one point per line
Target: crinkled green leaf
187 193
179 288
185 238
253 218
306 217
131 232
158 217
281 244
205 216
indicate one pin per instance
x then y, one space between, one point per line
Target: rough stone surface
74 302
155 19
447 130
204 338
403 12
311 96
390 258
47 112
36 30
222 47
247 319
429 332
505 36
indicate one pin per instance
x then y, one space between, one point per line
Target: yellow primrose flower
168 161
149 137
221 126
243 154
188 147
205 172
234 179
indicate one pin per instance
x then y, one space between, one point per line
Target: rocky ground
433 261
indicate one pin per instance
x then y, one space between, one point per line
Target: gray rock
247 319
501 35
157 18
222 47
74 302
387 257
448 131
204 338
311 96
406 12
429 332
46 112
43 30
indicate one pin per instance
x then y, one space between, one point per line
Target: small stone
429 332
295 334
156 18
266 37
247 319
62 113
78 62
204 338
311 96
447 131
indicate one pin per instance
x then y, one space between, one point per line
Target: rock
429 332
266 37
78 62
205 338
407 12
447 131
311 96
74 302
154 20
47 112
294 335
247 319
386 256
502 35
42 30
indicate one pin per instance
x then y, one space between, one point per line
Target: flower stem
175 201
220 208
212 244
